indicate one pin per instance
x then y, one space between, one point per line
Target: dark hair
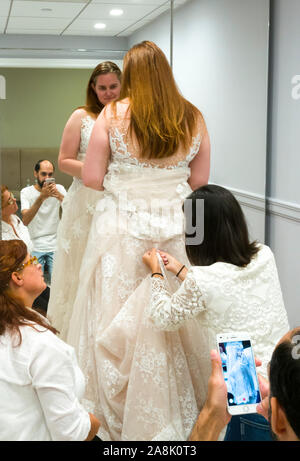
13 312
285 379
37 166
226 236
93 105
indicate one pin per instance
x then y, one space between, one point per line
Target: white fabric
21 230
43 227
143 384
40 388
224 298
78 208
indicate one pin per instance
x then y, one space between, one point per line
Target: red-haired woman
147 151
78 205
40 381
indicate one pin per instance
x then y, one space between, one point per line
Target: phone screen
239 373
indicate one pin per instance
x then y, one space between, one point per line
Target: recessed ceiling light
99 25
116 12
81 49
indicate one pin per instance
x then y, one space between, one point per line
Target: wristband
180 270
157 273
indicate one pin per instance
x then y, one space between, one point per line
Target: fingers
258 362
216 363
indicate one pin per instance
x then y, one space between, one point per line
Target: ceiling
78 17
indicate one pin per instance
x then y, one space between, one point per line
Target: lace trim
87 124
170 312
121 153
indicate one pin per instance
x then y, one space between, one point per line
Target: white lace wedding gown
78 207
142 383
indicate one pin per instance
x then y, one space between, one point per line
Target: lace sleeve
169 312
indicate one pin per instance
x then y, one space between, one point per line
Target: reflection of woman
240 381
140 384
233 286
40 382
12 226
78 206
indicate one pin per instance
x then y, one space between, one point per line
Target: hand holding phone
49 181
239 372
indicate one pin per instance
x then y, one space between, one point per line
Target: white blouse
226 298
21 229
40 389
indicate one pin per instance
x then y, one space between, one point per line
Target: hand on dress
151 260
171 263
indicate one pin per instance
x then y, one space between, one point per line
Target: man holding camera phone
281 401
40 206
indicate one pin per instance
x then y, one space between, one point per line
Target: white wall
157 31
220 64
283 219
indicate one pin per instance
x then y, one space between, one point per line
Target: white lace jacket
226 298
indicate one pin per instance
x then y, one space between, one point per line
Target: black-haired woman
232 286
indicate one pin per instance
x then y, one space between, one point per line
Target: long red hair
160 116
13 312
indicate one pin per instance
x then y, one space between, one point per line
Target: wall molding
269 205
285 210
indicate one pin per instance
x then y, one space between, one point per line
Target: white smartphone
239 372
49 181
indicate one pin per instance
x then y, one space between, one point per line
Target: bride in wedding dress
147 152
78 206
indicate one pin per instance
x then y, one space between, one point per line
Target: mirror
46 76
219 53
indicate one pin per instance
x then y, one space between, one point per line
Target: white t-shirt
43 227
40 389
22 231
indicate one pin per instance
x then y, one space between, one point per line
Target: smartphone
49 181
239 372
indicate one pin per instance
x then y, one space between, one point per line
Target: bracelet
157 273
180 270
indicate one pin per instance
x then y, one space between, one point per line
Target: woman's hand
151 260
171 263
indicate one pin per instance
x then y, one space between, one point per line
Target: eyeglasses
32 260
11 200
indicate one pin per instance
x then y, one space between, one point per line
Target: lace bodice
87 124
226 298
125 149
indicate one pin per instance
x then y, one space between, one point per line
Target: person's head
8 203
159 116
43 169
226 236
104 86
21 281
284 376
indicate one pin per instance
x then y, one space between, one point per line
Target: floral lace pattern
169 312
225 298
143 383
78 208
